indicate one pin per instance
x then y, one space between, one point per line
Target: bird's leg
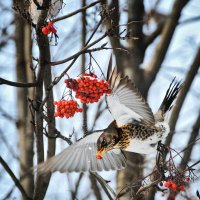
162 148
160 161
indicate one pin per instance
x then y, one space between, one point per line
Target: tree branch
193 136
14 178
57 134
83 41
17 84
192 19
104 185
150 38
43 44
113 20
80 52
76 12
182 95
161 49
95 187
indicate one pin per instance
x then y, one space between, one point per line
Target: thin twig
57 135
76 12
80 52
192 19
95 30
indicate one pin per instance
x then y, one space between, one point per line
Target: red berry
56 114
109 91
182 188
188 179
99 156
45 31
173 186
50 23
167 184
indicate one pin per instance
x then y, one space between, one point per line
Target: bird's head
107 141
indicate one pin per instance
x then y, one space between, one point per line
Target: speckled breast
138 131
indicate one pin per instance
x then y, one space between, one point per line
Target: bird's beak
100 153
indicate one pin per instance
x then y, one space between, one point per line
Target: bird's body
133 129
139 138
143 139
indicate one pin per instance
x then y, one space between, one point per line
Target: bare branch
95 30
150 38
57 134
95 187
14 178
17 84
181 97
80 52
76 12
190 20
167 33
74 193
193 136
44 59
104 185
83 58
113 20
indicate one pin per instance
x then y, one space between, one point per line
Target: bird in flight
134 128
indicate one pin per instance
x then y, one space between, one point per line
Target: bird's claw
162 148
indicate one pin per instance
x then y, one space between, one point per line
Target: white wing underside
81 157
125 103
121 113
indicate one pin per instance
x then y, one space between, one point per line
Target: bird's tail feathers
170 96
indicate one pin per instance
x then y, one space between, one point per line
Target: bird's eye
108 139
104 143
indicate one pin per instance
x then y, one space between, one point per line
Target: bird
134 128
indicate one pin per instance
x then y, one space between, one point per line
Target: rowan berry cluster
88 88
173 186
49 28
66 108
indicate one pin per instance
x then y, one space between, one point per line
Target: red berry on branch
173 186
87 88
50 23
45 31
181 188
187 179
167 184
66 108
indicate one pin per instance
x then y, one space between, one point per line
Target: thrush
134 128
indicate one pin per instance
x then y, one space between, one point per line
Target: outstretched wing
125 103
81 156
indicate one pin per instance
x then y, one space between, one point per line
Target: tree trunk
24 74
134 169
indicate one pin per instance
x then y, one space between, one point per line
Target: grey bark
24 74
